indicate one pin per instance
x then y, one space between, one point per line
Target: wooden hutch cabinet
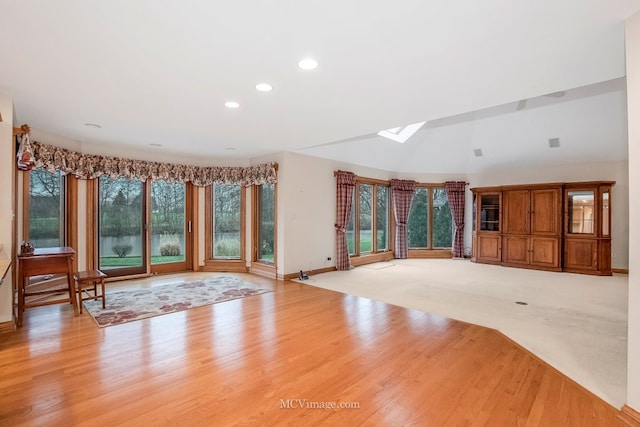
532 227
487 245
556 227
587 227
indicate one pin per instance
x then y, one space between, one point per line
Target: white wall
633 101
307 210
306 203
6 202
606 171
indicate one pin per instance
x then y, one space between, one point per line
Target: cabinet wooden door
580 254
515 250
546 211
489 248
545 252
516 211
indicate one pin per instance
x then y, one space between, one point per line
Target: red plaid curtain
455 194
401 194
345 183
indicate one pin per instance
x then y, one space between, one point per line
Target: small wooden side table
45 261
89 280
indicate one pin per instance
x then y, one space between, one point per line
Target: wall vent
554 142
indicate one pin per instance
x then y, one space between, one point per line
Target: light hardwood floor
275 359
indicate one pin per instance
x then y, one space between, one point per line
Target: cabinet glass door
605 213
490 212
581 211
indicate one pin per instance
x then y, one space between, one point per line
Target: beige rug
137 304
576 323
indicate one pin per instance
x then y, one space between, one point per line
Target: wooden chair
88 281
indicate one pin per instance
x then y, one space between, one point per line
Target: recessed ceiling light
231 104
92 125
308 64
264 87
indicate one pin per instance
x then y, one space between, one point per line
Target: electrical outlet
328 258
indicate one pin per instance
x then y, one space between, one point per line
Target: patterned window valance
88 166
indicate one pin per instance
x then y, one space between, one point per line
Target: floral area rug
135 304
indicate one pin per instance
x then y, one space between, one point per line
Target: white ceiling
159 72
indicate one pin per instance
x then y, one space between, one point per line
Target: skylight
401 134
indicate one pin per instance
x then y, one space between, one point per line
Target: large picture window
227 221
46 220
430 225
265 230
370 217
382 218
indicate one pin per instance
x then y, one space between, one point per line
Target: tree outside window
46 208
368 226
226 221
430 224
266 223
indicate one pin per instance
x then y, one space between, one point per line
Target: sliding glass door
143 227
169 226
122 248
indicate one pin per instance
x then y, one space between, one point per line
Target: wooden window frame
70 220
430 251
260 267
221 264
375 255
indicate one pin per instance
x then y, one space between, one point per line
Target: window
370 217
168 213
350 230
46 220
121 237
265 224
430 225
225 213
366 216
227 221
442 220
382 218
418 222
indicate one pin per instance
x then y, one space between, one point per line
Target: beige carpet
576 323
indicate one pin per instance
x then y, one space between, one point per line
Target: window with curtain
368 227
430 224
382 218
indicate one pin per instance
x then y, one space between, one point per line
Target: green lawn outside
135 261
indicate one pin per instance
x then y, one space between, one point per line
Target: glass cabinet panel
490 212
581 214
605 213
475 211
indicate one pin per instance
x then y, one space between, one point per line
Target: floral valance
88 166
